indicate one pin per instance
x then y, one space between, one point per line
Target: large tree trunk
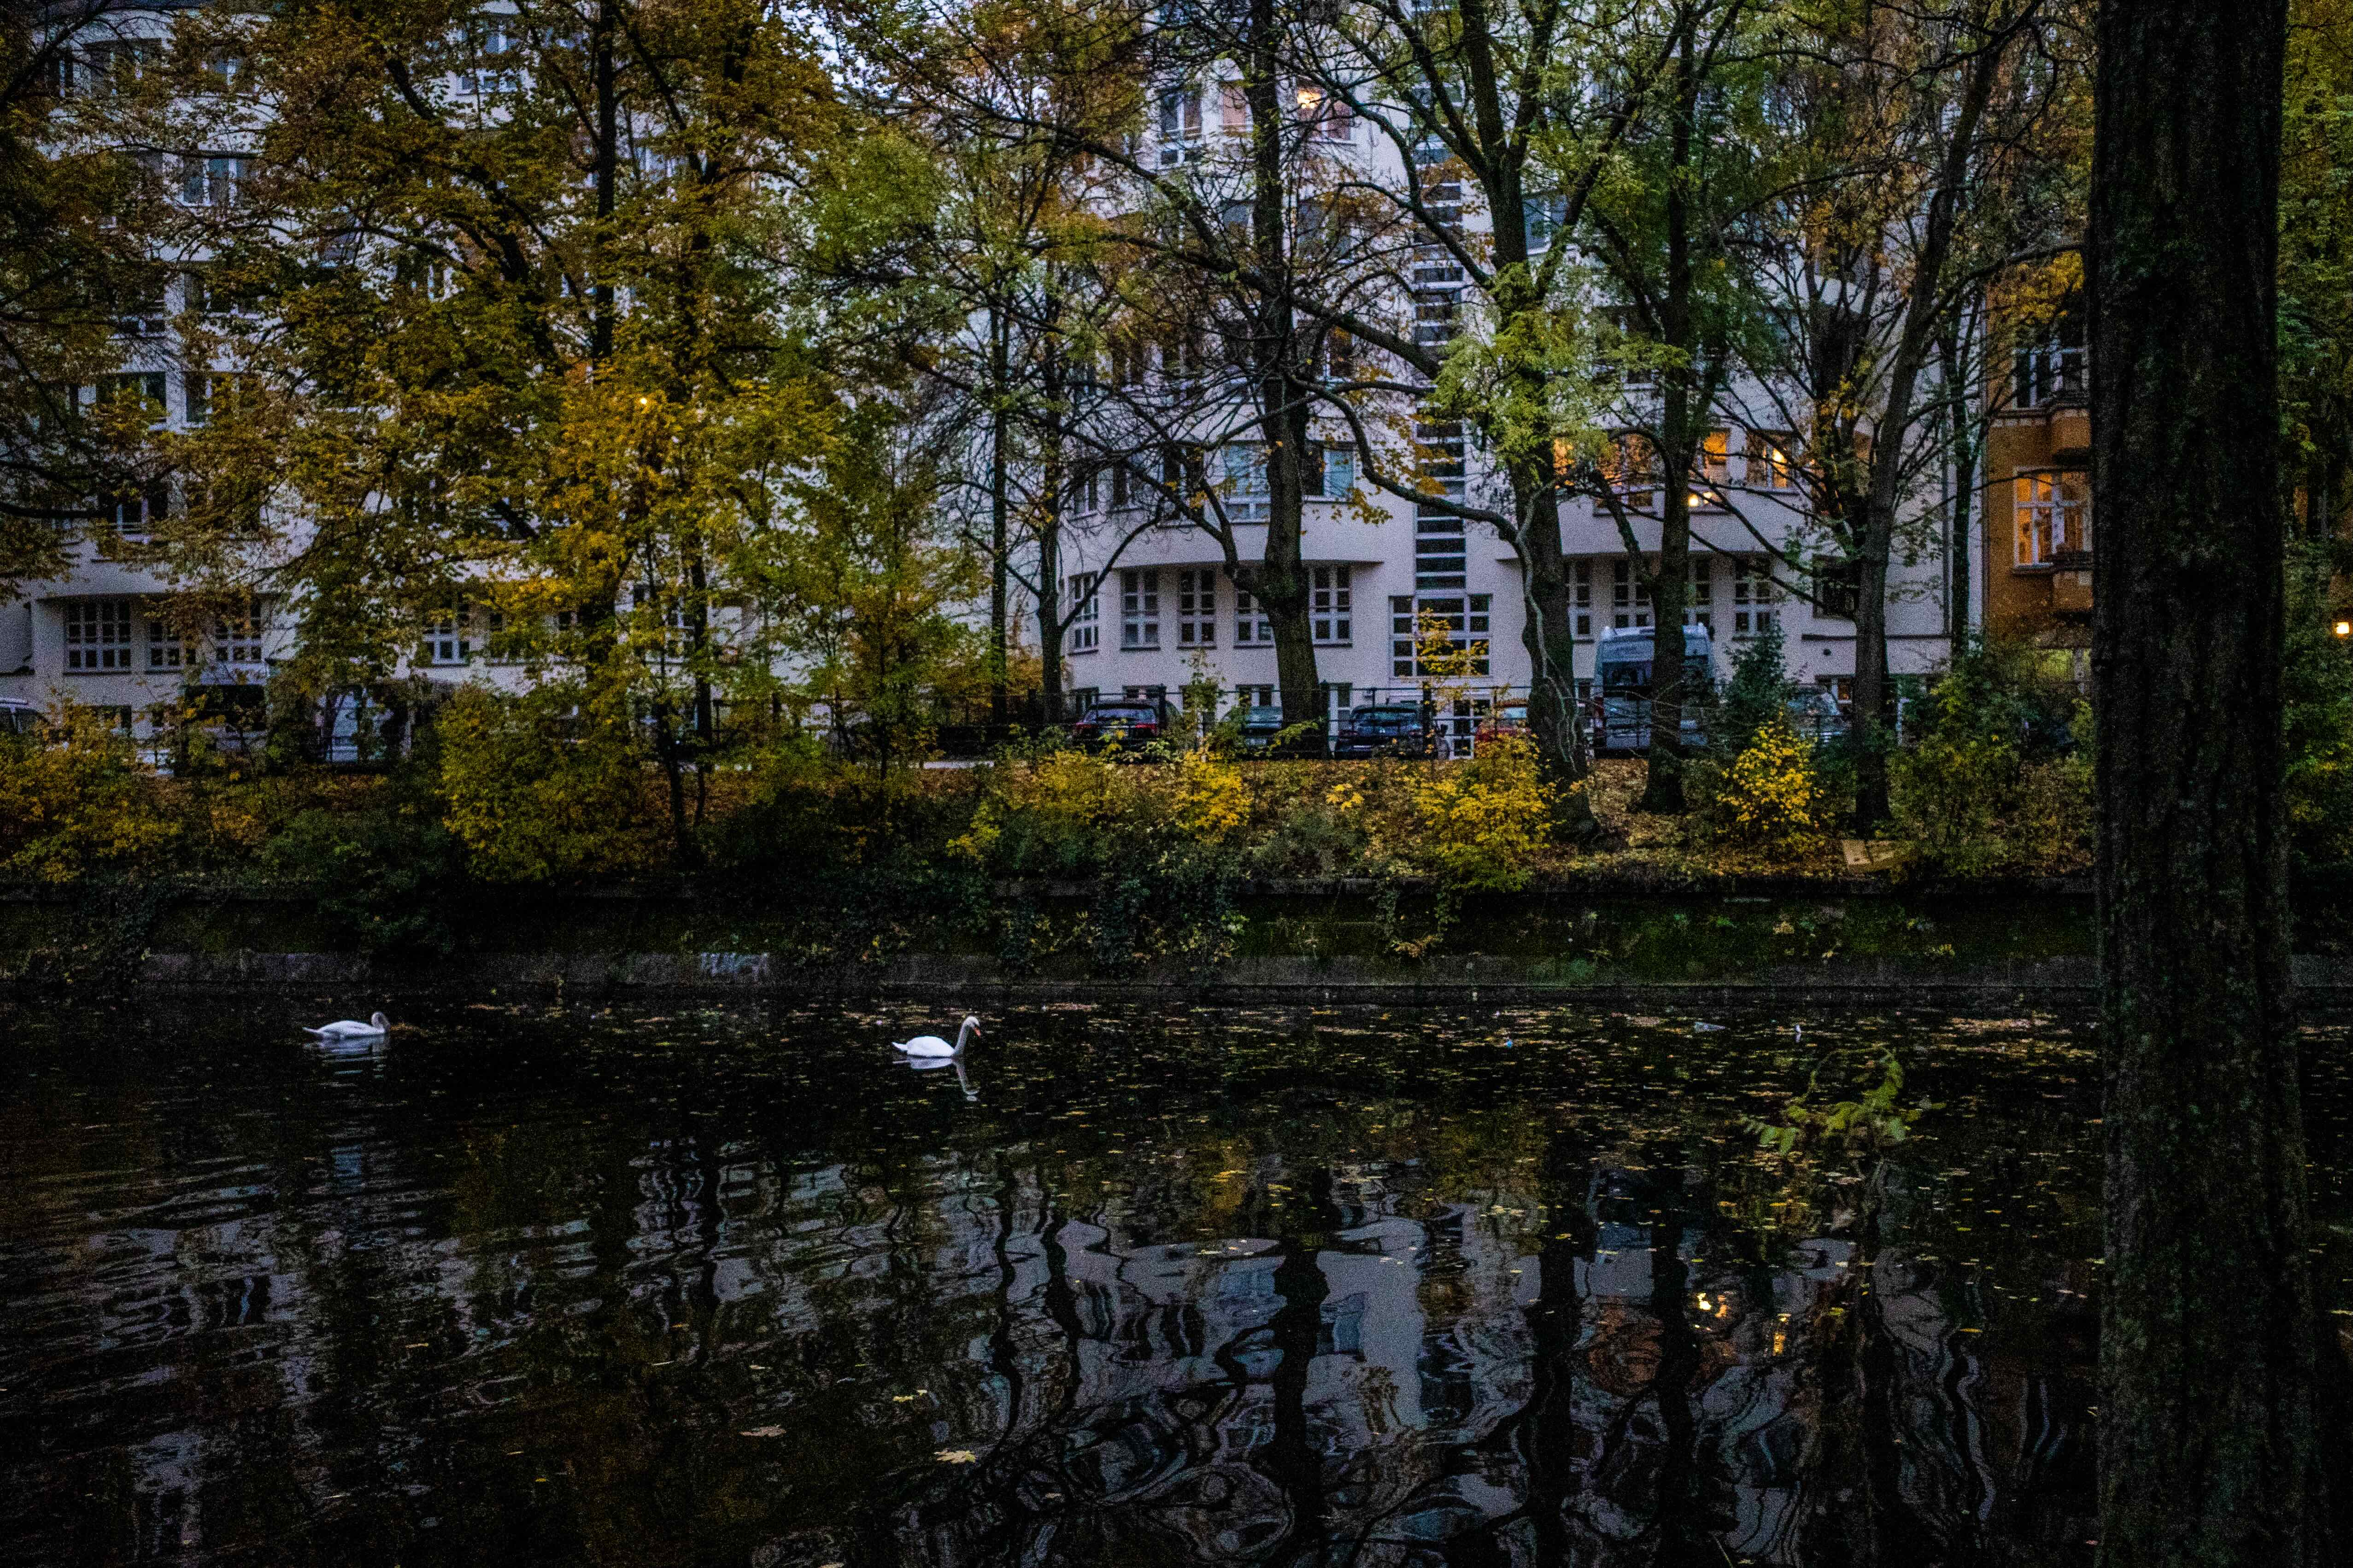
1279 584
1681 417
2207 1443
1000 374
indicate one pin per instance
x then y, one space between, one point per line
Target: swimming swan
376 1027
933 1045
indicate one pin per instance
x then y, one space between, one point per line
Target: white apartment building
1152 611
1155 611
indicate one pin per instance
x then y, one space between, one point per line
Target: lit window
1770 468
2053 507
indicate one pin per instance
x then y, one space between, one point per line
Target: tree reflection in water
1243 1288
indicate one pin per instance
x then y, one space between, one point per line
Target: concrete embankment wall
1749 944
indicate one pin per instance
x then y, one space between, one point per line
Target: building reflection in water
338 1322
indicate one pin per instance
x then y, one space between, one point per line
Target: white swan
376 1028
933 1045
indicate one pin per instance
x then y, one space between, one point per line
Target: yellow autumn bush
1771 801
547 784
1481 823
82 803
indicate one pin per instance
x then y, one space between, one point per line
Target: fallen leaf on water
955 1456
766 1432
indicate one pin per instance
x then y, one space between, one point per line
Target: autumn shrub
1063 812
546 785
1482 823
386 872
2316 708
1952 793
1998 778
83 804
1771 803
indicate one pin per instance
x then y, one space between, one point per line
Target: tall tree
2208 1446
529 370
80 293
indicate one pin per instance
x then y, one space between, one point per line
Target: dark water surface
735 1288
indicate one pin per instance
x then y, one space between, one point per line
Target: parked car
1504 718
1814 714
1128 725
1257 725
1388 729
1622 671
18 716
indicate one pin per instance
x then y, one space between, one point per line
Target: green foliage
546 785
1757 694
1998 780
2317 716
1869 1123
387 873
82 804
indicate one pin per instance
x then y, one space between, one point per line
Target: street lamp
2344 629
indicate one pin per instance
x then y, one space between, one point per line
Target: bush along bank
514 822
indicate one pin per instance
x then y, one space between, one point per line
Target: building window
1752 595
134 514
1254 696
1330 473
1329 604
146 386
98 634
1086 629
1251 629
1464 619
168 646
1701 610
1196 607
143 313
1630 592
2052 508
1180 126
1714 468
1245 489
236 638
1327 117
1581 591
1770 468
1838 588
2052 368
447 636
1629 466
211 181
1139 608
1440 554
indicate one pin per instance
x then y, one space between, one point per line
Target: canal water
542 1285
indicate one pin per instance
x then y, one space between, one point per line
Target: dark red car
1128 725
